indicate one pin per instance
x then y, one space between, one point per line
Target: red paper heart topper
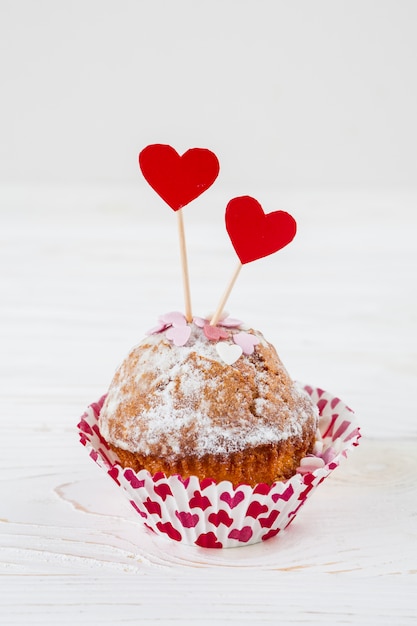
255 234
178 179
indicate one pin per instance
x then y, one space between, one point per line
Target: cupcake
211 440
202 427
208 408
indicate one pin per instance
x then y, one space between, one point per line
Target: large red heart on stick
255 234
178 179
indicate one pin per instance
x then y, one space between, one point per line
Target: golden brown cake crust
182 410
263 464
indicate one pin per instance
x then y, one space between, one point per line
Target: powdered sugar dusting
167 399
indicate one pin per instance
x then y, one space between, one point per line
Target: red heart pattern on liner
255 509
220 518
178 179
233 501
217 515
188 520
255 234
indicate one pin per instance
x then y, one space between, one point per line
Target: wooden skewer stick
184 266
226 294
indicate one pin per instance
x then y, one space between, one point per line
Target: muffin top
174 400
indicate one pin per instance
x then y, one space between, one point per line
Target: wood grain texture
84 275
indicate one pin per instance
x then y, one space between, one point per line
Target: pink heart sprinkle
310 464
175 318
179 335
157 329
199 321
227 322
214 333
246 341
230 322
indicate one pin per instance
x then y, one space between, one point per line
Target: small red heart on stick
255 234
178 179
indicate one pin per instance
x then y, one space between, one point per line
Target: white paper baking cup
217 515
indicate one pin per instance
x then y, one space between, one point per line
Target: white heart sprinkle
229 353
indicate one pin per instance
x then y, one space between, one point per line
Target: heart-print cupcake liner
217 515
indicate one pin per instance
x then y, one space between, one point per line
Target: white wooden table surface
83 274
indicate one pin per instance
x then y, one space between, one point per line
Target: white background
303 93
310 107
